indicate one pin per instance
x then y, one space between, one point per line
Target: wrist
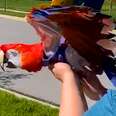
69 76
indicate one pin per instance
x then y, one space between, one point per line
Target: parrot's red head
25 56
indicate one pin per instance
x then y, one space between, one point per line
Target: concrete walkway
40 85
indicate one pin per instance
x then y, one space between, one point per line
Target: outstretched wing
80 26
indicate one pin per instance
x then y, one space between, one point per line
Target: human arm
71 102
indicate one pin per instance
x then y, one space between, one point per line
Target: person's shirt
104 107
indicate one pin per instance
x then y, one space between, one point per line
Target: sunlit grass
106 8
12 13
11 105
22 5
26 5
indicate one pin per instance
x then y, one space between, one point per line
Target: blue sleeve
104 107
95 4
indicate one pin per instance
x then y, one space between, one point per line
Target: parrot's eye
13 57
12 53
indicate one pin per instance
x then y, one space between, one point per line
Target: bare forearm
71 103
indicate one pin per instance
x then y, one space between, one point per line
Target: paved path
16 31
40 85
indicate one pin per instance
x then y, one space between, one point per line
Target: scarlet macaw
56 26
68 34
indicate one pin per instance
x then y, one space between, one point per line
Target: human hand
62 71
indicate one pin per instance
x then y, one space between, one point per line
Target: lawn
106 6
26 5
12 13
11 105
23 5
20 5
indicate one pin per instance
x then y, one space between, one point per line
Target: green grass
23 5
11 105
12 13
106 7
26 5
